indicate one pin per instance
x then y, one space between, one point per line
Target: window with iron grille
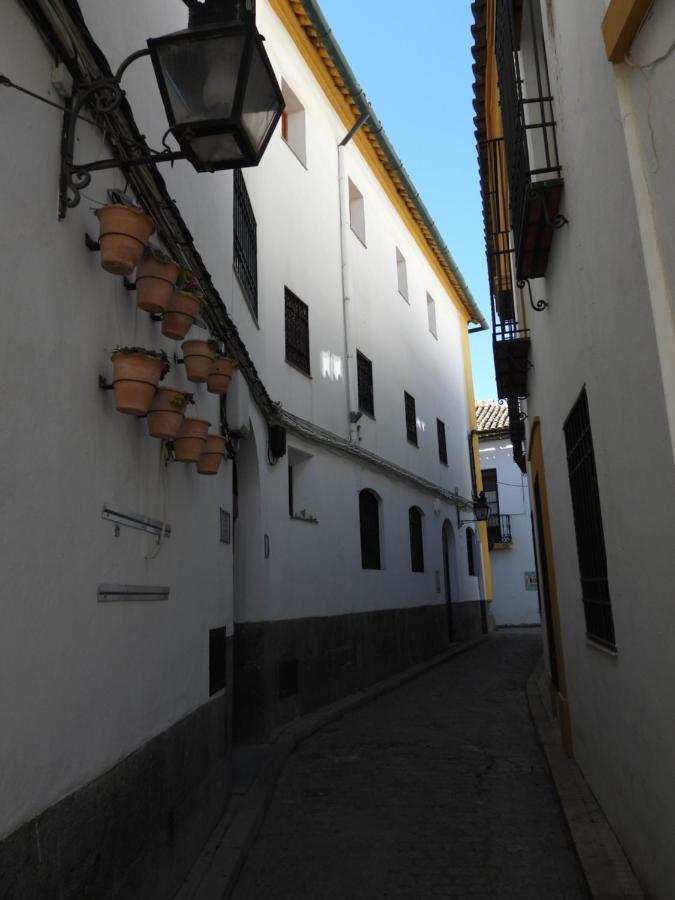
492 496
442 446
469 551
410 418
369 518
245 243
364 369
588 524
297 332
416 539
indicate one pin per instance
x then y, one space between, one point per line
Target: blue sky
414 62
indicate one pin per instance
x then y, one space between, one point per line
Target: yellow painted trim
536 459
297 24
620 26
473 426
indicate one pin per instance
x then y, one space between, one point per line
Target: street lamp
220 94
480 508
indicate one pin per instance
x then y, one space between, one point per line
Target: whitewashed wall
513 603
599 332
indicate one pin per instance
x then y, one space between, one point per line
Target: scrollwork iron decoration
538 305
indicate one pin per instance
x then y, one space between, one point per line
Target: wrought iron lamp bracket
104 96
558 221
537 305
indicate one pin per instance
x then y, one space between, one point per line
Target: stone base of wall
289 668
135 831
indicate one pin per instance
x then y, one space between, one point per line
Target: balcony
499 532
535 184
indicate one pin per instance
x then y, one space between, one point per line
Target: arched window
469 551
369 516
416 540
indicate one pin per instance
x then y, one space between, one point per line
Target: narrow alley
437 789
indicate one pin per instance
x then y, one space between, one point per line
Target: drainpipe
349 351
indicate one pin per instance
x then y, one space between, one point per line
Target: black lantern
220 93
221 97
481 508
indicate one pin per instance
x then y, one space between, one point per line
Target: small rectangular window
297 332
410 418
491 489
293 124
442 446
357 212
401 274
431 314
364 370
245 259
217 660
588 524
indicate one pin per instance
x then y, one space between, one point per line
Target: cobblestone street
437 789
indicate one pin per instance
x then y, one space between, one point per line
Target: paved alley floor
437 789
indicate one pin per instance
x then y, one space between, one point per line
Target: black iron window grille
297 332
410 418
588 524
442 445
469 551
364 370
416 540
369 519
499 530
491 489
535 183
245 243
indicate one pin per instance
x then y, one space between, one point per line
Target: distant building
514 576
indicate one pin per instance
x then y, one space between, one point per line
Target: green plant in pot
167 412
183 307
156 277
125 229
137 372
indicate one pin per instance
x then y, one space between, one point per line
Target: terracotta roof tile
492 416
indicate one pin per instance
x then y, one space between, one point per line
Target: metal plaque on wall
225 533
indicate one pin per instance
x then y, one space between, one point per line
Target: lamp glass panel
216 149
201 76
261 100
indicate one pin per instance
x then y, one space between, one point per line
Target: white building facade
575 132
515 598
151 611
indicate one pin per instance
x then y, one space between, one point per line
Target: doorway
449 572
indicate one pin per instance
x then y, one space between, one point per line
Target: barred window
588 524
297 332
245 243
364 369
491 489
442 446
410 418
416 539
469 551
369 518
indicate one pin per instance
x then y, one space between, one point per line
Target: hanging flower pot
136 374
167 412
220 374
184 306
125 230
198 357
213 452
191 439
155 279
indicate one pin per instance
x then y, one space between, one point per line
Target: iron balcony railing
499 530
534 170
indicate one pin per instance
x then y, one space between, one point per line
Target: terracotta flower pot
198 357
191 439
124 233
166 413
155 281
181 312
213 452
220 375
135 379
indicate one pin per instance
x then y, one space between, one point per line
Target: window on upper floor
293 124
245 257
297 332
401 274
410 418
442 445
588 525
491 489
357 212
364 370
416 539
369 520
431 314
469 551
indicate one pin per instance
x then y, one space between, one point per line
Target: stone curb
608 873
215 874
